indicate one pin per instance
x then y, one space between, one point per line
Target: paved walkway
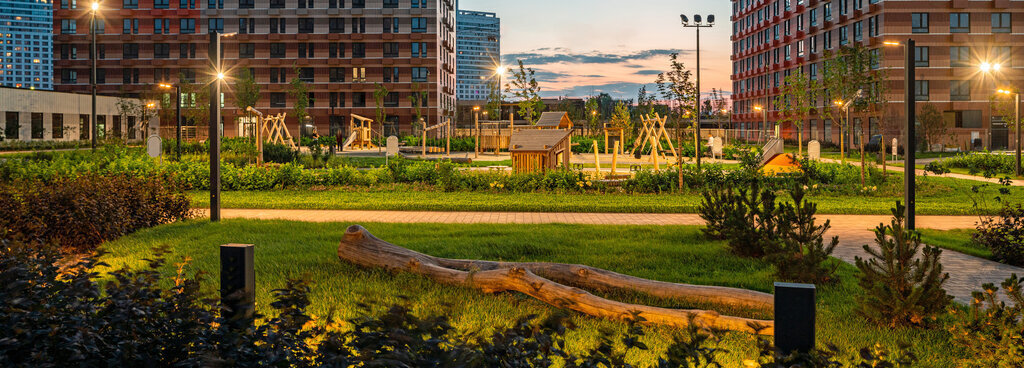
967 273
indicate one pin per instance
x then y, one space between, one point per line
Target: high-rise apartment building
341 49
773 38
25 41
479 53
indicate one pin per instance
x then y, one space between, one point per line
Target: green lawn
958 240
678 254
936 196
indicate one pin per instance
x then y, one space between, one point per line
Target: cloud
626 90
545 56
648 72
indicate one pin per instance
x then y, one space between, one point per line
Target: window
1002 55
419 74
12 127
216 24
358 50
358 99
278 75
161 26
919 22
215 4
162 74
828 11
186 4
116 122
419 49
358 4
844 35
359 75
336 50
959 23
187 76
37 125
814 17
57 126
1000 22
336 25
161 4
391 25
161 50
68 27
68 52
964 119
843 5
921 92
306 75
130 4
960 90
390 100
391 75
305 25
130 51
334 4
278 100
246 51
828 40
131 26
278 50
246 4
358 25
959 56
187 51
921 56
277 4
336 75
799 22
858 31
876 59
391 49
873 26
306 50
337 99
390 4
302 4
188 26
419 25
246 25
420 4
278 25
83 126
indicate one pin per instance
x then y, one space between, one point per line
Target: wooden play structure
614 136
494 135
554 120
444 130
539 150
550 283
360 133
274 130
653 132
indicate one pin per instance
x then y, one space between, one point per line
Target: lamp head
892 43
838 102
696 18
95 6
476 108
220 76
711 19
758 108
985 67
500 70
165 85
686 21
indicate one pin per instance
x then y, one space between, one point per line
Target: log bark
360 247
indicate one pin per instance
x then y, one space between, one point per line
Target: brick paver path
967 273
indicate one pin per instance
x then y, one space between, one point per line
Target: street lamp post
214 135
92 79
177 116
500 71
764 123
698 25
476 126
909 168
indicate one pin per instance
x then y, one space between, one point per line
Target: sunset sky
580 48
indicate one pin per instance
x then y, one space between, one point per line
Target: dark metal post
93 56
698 141
1016 110
238 284
214 138
794 317
177 119
909 168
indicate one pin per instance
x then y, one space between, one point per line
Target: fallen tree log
360 247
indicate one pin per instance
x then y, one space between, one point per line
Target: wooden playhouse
539 150
554 120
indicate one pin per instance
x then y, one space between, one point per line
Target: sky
580 48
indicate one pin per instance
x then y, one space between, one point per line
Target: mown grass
678 254
957 240
936 196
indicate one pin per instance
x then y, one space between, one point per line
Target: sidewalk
967 273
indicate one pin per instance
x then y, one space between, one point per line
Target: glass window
960 90
1001 23
278 100
188 26
130 4
959 56
419 74
57 126
921 92
919 22
37 125
419 25
959 22
161 4
921 56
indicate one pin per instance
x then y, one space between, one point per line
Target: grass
957 240
936 196
678 254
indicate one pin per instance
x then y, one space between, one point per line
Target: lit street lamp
476 124
177 116
1016 111
215 121
698 25
909 139
764 124
92 79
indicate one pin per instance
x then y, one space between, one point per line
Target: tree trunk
358 246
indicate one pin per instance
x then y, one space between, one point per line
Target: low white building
34 115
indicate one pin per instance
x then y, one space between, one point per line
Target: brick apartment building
341 48
771 38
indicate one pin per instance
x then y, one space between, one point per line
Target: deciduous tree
524 86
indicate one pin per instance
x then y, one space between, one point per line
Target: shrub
80 213
1004 234
279 153
986 164
993 330
800 254
900 287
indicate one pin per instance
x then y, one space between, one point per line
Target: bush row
986 164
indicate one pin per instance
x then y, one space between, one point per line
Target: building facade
773 38
342 50
57 116
479 54
26 57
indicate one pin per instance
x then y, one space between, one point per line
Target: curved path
966 273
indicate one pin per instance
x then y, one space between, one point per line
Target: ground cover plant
1003 234
678 254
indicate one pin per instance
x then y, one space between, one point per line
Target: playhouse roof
554 119
537 140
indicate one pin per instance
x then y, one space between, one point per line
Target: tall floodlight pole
909 131
698 25
92 79
214 137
